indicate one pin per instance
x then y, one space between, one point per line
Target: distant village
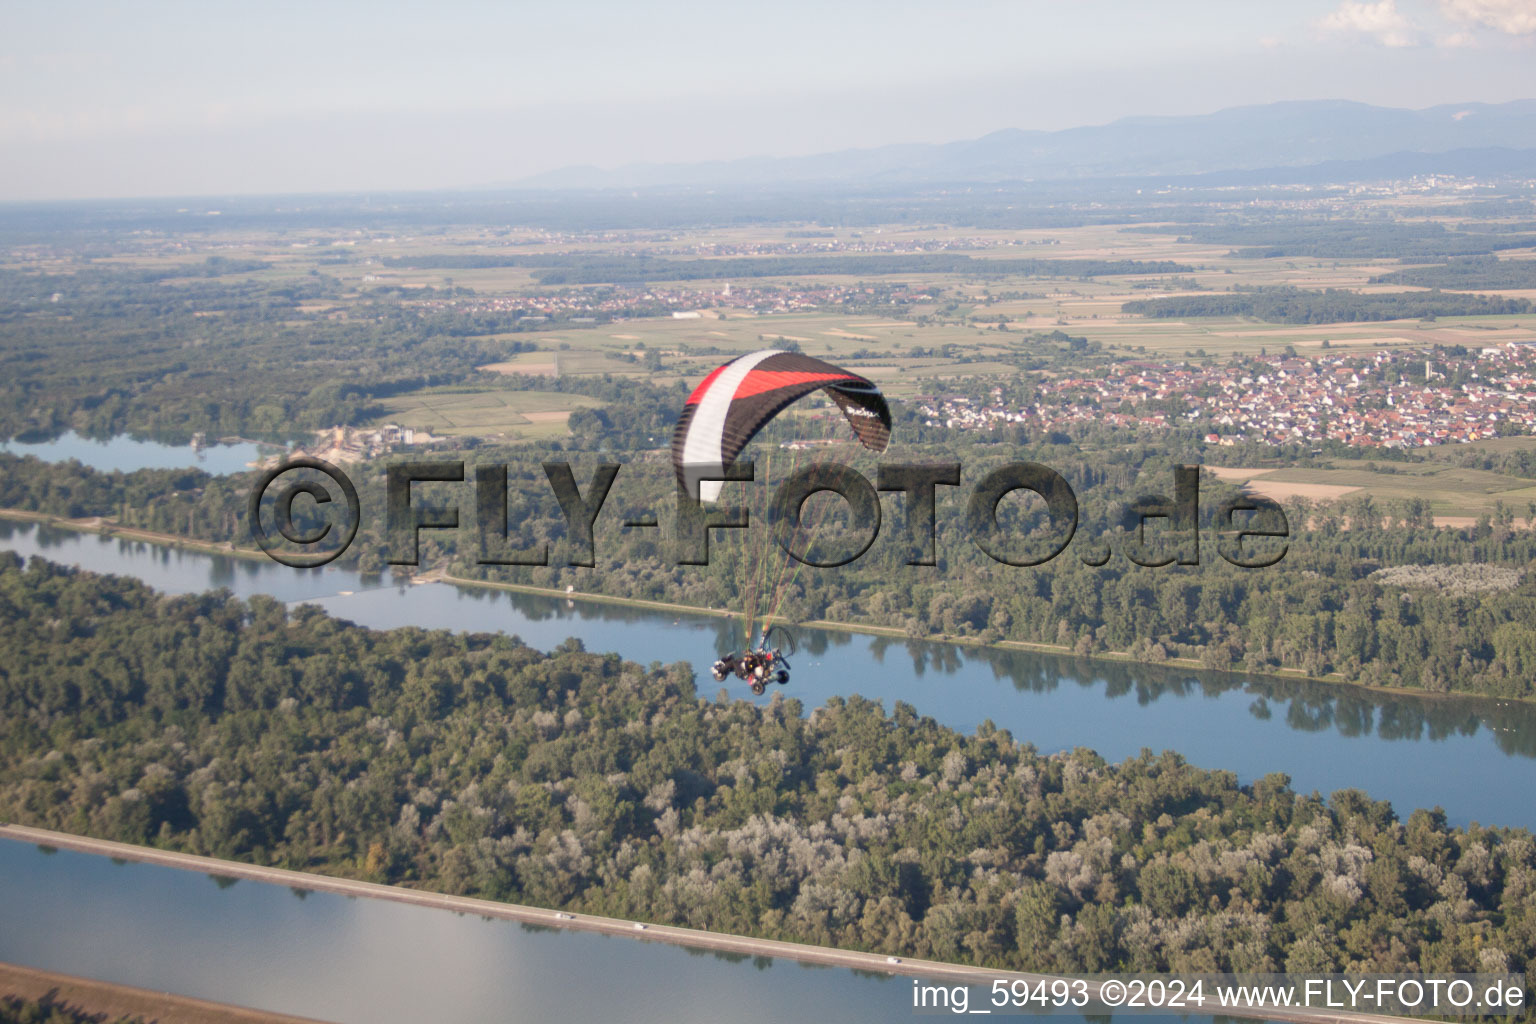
609 303
818 243
354 444
1386 399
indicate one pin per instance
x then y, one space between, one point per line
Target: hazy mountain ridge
1272 136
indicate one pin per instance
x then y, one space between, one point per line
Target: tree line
1479 272
1324 609
1288 305
474 764
1278 237
106 352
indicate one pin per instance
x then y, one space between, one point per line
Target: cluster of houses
1384 399
354 444
812 241
611 304
871 243
573 305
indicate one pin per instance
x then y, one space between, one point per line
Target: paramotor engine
723 413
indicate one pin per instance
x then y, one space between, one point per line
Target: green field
691 348
1451 490
515 415
375 268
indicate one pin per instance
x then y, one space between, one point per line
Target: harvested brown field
1235 472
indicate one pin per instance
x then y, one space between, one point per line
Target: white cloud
1381 21
1514 17
1457 40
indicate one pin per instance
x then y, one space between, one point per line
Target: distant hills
1292 141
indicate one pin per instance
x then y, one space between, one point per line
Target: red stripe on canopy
759 381
698 392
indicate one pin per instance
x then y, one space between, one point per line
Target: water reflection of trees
820 641
1304 705
542 608
1309 706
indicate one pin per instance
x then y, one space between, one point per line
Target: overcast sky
112 99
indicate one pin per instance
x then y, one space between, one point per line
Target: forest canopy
1287 305
474 764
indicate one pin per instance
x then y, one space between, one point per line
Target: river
127 454
1476 758
347 959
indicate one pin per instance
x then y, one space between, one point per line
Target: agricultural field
909 331
687 349
508 415
1453 492
1228 336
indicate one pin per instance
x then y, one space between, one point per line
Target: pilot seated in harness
757 668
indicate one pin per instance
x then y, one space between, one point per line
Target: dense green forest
1287 305
473 764
107 351
1332 605
1469 272
169 352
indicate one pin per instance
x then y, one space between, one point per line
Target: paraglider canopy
736 400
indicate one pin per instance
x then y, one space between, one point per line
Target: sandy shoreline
113 1001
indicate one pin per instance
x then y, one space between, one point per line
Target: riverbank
869 629
107 527
929 970
111 1001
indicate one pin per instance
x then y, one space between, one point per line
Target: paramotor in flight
728 408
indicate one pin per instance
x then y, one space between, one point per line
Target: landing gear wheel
782 677
758 687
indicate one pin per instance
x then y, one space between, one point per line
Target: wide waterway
341 958
345 959
1476 758
127 454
